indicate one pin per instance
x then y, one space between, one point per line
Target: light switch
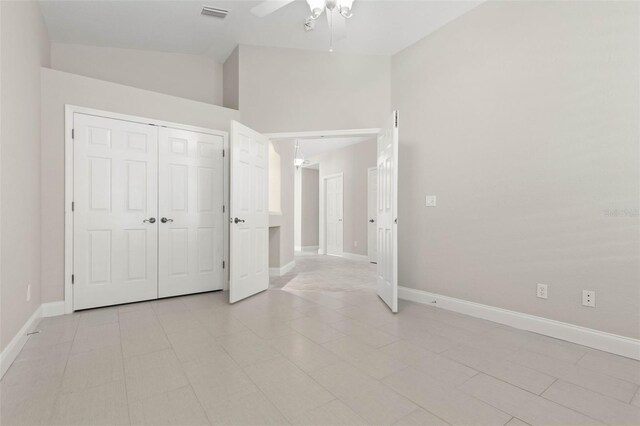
431 201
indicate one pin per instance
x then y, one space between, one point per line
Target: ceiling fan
336 11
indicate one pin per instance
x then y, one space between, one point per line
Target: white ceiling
378 27
312 147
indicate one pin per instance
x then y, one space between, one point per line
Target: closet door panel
190 207
115 196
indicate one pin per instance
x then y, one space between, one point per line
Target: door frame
69 112
322 236
369 170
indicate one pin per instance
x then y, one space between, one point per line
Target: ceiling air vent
214 11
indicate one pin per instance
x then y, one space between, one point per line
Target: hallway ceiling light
298 158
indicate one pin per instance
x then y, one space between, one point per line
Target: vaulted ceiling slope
377 27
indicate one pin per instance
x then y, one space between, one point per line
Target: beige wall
522 117
285 90
353 162
310 207
24 48
230 81
60 88
187 76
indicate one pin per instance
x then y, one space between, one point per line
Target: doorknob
371 220
165 220
150 220
236 220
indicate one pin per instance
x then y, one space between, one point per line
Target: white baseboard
9 354
353 256
278 272
310 249
16 344
52 309
619 345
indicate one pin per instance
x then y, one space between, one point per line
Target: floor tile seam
460 387
124 374
577 384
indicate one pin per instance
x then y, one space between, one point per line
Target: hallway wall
353 161
310 207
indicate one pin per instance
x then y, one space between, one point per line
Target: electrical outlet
28 292
589 298
430 201
542 291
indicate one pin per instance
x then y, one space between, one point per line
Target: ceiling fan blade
267 7
339 27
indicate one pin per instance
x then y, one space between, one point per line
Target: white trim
69 111
278 272
52 309
310 249
353 256
619 345
323 133
16 344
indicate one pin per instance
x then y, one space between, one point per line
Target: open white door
249 213
387 213
372 214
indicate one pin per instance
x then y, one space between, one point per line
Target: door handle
165 220
150 220
236 220
371 220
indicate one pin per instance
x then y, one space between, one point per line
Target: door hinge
73 206
396 119
223 152
223 209
224 265
73 279
73 133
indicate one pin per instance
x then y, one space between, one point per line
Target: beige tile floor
321 356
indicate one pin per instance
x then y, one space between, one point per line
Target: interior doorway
348 188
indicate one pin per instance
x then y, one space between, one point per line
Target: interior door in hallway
372 214
334 214
191 199
115 211
249 213
387 212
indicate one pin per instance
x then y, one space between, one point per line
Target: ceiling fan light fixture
344 7
317 7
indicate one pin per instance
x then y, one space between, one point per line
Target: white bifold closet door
387 213
148 212
115 209
190 209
